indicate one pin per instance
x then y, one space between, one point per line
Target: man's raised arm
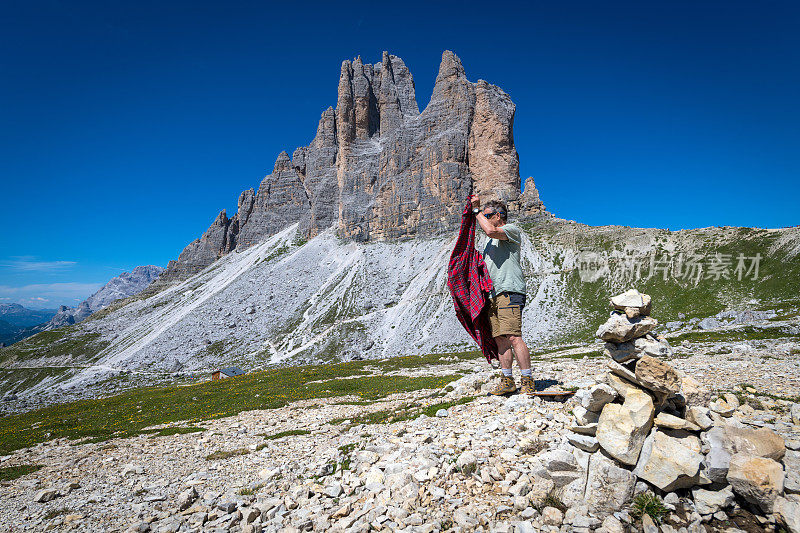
492 231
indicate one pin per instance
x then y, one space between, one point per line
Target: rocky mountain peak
283 163
378 168
450 68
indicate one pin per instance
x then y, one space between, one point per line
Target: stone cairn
645 421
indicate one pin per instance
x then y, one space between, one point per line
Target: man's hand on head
488 227
476 202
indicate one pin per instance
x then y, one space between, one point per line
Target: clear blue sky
127 126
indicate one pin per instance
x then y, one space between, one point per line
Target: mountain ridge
121 286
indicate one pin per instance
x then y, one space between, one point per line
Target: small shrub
52 513
755 403
533 447
469 469
552 500
250 491
648 503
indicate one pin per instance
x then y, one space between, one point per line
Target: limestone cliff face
378 168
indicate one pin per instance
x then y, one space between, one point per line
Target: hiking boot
527 386
506 386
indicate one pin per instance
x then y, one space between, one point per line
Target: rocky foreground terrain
718 449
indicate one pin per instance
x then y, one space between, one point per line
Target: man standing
507 299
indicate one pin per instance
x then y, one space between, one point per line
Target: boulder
718 458
586 443
722 408
540 489
787 512
633 299
758 480
694 393
559 465
648 526
588 429
622 371
795 413
709 323
612 524
652 346
609 487
622 429
657 375
186 498
708 502
583 416
620 384
687 438
621 352
595 398
667 463
724 441
552 516
620 328
699 417
761 442
467 463
791 463
731 400
668 421
45 495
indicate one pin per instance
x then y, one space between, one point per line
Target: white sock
507 372
527 372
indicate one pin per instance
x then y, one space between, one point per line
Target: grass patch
13 472
418 361
405 412
581 355
164 432
793 399
648 503
129 413
225 454
289 433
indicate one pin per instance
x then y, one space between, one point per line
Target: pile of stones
652 423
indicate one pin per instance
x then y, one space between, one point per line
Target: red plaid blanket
468 279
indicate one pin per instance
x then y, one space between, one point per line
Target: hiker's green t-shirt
503 261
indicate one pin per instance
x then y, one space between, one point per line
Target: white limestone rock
622 429
667 463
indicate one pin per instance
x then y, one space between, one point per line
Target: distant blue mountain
20 316
18 322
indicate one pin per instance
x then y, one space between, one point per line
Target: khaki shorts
504 318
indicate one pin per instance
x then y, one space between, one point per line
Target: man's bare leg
521 352
524 360
504 352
